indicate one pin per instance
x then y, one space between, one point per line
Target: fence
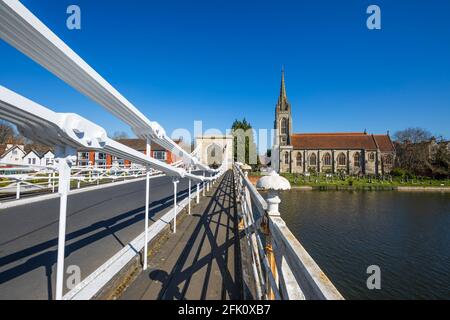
281 268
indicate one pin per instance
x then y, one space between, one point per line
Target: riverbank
362 184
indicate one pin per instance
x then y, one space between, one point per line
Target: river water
406 234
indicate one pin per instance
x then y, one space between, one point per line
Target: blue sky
180 61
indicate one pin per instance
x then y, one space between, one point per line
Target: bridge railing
35 180
69 132
281 267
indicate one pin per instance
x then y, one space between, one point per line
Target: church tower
283 116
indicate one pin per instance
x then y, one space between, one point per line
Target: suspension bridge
185 230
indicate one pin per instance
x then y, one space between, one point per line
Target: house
87 157
23 155
48 158
12 154
32 158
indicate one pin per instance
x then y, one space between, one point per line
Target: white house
32 158
48 159
13 154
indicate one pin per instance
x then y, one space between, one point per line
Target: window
213 153
342 160
100 159
312 159
100 156
286 157
327 159
160 155
299 159
83 155
284 126
34 160
357 159
371 157
29 160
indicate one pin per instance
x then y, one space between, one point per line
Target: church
352 153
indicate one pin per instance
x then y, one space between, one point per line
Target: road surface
99 224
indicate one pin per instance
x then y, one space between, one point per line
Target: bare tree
6 132
413 135
120 135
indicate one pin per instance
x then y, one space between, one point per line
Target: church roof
337 140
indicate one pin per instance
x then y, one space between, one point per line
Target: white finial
273 183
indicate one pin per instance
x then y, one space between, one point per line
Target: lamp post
273 183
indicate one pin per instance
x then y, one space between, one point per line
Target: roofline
10 149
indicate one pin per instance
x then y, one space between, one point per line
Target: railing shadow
205 235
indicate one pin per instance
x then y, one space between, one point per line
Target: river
406 234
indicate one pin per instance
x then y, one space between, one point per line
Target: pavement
201 261
99 224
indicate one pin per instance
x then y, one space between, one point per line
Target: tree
244 143
6 132
413 135
120 135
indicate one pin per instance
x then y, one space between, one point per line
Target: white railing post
203 190
18 189
175 183
65 156
198 193
147 205
53 182
189 195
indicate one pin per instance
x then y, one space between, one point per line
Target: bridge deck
200 261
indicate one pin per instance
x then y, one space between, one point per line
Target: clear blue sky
180 61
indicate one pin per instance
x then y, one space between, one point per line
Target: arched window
312 159
357 159
213 152
342 160
286 157
327 159
371 157
299 159
284 126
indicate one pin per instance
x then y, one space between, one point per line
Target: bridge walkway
201 261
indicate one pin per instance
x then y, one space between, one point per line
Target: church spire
282 100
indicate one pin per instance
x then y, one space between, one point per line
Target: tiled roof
384 142
351 140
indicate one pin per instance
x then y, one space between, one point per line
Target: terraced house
355 153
